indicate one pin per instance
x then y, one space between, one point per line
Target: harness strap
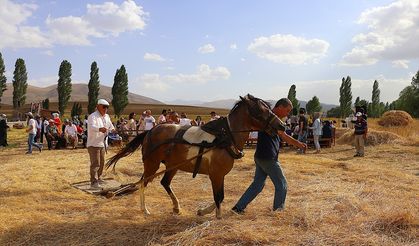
198 160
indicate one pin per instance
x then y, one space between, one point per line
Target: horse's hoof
200 212
146 212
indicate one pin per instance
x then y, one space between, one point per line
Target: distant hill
78 94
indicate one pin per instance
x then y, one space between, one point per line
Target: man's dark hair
283 102
302 110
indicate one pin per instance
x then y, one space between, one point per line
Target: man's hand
103 129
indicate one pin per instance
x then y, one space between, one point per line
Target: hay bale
373 138
395 118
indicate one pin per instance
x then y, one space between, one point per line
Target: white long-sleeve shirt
95 138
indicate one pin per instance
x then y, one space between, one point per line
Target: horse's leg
150 168
218 193
165 182
143 208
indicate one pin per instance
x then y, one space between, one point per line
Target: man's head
358 116
302 111
282 107
30 115
102 106
148 112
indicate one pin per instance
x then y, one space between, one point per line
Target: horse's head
261 115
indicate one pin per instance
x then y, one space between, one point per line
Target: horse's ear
241 98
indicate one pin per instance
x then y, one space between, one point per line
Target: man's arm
290 140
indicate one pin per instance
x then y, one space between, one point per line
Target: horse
161 145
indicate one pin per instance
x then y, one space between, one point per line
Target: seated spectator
184 121
327 129
51 134
214 116
81 135
198 121
70 134
174 118
3 130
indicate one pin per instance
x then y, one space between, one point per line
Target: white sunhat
358 114
102 102
29 114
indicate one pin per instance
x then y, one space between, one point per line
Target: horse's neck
240 129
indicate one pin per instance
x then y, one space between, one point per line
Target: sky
212 50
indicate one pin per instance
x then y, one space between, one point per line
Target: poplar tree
292 96
45 103
375 100
76 109
345 99
64 85
94 88
357 101
120 91
3 78
313 106
20 83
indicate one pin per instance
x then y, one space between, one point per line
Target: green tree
94 88
20 83
357 101
3 78
409 98
292 96
64 85
313 106
375 101
120 91
76 109
45 103
345 99
334 112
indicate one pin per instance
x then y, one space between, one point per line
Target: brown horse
162 145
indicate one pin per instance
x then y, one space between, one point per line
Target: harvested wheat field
333 199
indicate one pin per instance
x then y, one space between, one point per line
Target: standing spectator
302 132
149 120
317 131
184 121
3 130
132 124
31 130
162 117
45 123
99 124
141 122
70 134
361 130
38 121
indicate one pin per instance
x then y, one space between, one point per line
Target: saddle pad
196 135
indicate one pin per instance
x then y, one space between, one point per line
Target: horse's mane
241 101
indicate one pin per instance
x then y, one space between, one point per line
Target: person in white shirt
184 121
317 131
149 120
70 134
162 117
31 130
214 116
98 124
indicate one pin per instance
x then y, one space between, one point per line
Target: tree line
64 87
408 98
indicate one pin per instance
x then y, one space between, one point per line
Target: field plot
333 199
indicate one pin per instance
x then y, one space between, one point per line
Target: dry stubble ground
333 199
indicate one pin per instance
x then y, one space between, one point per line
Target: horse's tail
127 150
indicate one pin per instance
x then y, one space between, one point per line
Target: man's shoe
356 155
237 211
28 153
40 148
100 181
